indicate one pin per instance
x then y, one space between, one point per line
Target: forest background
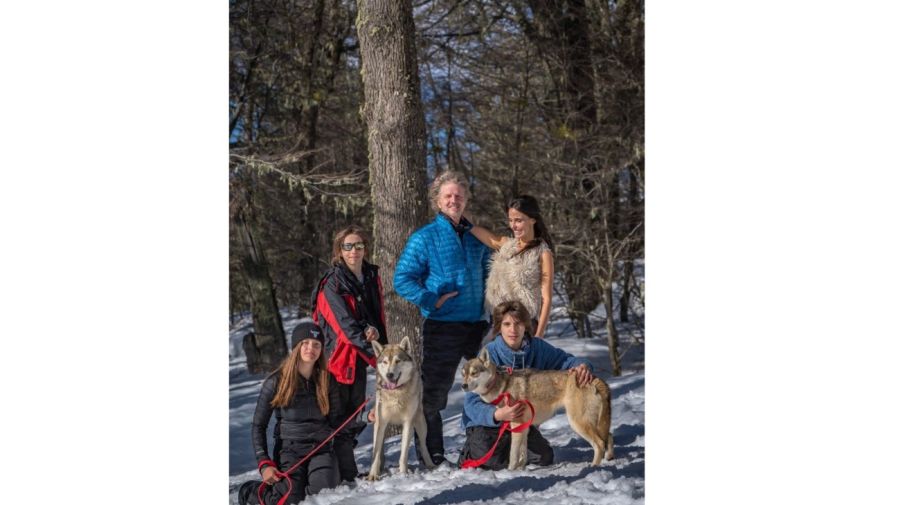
772 174
522 96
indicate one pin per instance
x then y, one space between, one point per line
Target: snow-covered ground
569 480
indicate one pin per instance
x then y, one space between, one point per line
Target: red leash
475 463
286 473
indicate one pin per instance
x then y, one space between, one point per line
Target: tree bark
626 290
268 329
583 298
613 334
396 142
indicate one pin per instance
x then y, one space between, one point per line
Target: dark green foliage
523 96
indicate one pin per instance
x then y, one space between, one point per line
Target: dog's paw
518 464
372 477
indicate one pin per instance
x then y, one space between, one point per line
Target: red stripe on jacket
342 363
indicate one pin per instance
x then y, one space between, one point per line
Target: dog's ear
377 347
405 345
483 355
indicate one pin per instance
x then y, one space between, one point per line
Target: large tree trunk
396 136
269 332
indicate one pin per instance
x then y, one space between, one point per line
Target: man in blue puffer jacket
442 270
514 347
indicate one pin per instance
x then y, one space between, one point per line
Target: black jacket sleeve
261 418
347 324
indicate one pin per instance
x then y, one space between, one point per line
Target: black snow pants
351 396
444 344
480 439
318 473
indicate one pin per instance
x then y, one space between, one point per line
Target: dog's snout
390 376
465 386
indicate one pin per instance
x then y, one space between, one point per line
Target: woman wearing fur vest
349 305
522 266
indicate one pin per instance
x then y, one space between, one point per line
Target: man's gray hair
434 190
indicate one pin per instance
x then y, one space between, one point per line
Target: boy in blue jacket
515 348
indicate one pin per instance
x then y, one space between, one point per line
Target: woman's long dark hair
528 205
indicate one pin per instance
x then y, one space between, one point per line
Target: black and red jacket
344 308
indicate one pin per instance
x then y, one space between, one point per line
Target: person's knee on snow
322 473
540 452
299 396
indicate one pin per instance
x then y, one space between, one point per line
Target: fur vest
515 277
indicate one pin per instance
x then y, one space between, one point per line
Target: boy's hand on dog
583 374
509 412
269 476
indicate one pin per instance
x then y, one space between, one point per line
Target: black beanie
307 330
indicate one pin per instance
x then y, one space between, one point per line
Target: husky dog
588 408
398 400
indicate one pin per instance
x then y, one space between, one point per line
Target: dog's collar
507 369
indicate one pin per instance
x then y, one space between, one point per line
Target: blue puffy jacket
435 262
535 353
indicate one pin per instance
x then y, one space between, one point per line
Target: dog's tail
605 417
600 386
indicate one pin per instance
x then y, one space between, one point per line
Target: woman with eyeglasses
348 304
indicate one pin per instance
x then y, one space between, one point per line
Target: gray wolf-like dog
588 407
398 400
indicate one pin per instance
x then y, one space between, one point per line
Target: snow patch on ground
570 480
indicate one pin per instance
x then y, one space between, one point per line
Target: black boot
247 492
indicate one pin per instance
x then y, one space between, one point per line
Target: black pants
480 439
351 396
444 344
318 473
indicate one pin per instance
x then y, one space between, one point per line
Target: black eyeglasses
349 247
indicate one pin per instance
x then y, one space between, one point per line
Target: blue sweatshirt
535 353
